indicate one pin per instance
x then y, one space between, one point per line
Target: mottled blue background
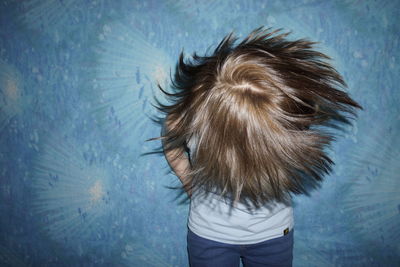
76 86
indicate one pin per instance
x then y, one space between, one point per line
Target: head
257 111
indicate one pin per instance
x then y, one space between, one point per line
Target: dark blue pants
207 253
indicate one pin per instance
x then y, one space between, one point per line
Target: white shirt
213 218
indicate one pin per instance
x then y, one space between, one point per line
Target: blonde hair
251 108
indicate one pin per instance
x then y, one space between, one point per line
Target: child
246 129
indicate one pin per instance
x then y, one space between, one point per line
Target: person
246 129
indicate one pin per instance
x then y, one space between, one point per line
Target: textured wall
76 86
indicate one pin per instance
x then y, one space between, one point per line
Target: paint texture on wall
79 185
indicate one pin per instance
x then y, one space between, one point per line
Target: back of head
251 108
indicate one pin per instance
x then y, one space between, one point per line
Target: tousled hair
259 112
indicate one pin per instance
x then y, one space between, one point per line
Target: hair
252 109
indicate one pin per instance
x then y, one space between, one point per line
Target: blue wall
76 86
